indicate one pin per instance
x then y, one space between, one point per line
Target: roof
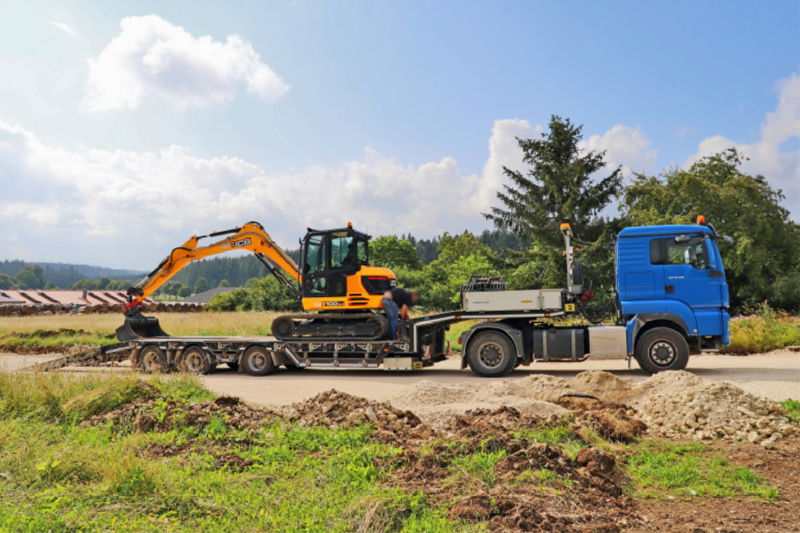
66 297
7 300
205 297
674 229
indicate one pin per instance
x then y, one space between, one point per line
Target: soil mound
439 404
597 380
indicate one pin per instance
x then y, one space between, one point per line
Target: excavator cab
329 258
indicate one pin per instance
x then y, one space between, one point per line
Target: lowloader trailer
670 300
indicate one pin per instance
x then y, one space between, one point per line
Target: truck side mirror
727 239
682 239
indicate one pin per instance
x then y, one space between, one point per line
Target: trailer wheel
662 349
491 354
153 360
257 361
196 361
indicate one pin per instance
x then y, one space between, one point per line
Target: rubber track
381 320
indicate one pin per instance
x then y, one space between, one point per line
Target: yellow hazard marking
527 301
569 308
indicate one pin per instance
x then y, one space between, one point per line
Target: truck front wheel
491 354
662 349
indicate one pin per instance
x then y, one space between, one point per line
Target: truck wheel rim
150 361
258 361
490 354
662 353
193 363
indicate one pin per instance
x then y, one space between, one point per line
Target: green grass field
58 475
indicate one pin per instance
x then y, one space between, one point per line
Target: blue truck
670 300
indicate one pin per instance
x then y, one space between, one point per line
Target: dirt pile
438 404
104 308
158 414
341 410
520 495
675 404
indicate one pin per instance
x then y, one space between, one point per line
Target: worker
396 303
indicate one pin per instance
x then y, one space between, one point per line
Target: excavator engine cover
139 326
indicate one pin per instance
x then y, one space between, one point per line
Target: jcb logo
393 283
243 242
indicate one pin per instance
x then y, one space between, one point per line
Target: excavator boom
250 236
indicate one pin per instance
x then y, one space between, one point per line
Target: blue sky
118 141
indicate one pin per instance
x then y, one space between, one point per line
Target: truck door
690 278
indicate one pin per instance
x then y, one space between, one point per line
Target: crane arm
250 236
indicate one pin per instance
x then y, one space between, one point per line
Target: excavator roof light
565 225
349 224
701 219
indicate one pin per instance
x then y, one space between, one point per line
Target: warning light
701 219
565 225
349 224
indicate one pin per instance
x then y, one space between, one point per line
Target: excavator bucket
139 326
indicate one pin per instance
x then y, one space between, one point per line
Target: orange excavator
336 281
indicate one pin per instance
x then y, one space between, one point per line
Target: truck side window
668 252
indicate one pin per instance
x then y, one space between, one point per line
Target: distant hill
64 274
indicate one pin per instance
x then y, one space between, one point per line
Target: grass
560 435
56 475
659 470
793 406
762 331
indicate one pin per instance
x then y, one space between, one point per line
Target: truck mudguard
639 321
513 333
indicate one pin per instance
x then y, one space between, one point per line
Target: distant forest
236 270
62 275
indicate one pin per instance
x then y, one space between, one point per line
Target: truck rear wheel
196 361
153 360
257 361
662 349
491 354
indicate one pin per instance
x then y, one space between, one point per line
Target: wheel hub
491 354
193 363
662 353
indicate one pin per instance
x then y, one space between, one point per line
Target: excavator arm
250 236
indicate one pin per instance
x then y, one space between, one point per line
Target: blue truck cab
671 278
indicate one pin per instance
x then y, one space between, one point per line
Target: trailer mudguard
639 321
513 333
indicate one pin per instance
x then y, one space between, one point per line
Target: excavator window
315 256
362 258
342 251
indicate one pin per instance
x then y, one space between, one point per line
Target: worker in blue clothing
396 303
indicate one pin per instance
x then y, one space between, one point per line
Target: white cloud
103 206
625 146
153 58
65 28
781 167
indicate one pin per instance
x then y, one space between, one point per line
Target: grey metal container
533 300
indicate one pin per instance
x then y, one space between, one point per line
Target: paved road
775 375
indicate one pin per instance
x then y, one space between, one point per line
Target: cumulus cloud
767 154
625 146
104 205
153 58
65 28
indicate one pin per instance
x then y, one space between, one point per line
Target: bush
265 294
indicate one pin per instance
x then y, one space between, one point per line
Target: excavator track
355 326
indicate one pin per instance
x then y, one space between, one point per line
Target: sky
125 127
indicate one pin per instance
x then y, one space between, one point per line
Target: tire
257 361
661 349
195 361
153 360
491 354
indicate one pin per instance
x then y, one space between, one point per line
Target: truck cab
672 277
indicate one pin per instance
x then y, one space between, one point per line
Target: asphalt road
775 375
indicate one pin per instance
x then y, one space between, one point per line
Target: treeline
562 184
54 275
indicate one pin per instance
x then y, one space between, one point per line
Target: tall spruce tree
559 186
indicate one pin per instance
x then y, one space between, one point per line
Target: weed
793 406
659 469
558 435
479 466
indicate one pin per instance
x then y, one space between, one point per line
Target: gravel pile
679 403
